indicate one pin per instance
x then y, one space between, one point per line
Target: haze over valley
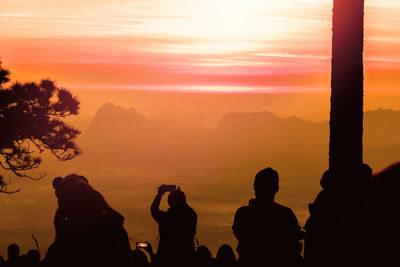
210 145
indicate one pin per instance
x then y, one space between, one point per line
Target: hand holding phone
142 244
166 188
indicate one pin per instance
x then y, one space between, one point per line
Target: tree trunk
329 229
346 122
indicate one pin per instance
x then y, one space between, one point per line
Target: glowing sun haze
211 45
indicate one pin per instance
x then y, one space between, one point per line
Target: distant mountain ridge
125 134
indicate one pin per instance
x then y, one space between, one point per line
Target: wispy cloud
187 39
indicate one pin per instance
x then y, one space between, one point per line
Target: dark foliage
31 122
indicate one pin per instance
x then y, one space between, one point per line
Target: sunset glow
207 45
200 94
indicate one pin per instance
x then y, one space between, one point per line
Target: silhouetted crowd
30 259
90 233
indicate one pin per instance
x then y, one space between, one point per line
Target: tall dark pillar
346 122
330 239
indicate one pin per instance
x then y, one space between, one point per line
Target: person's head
176 198
266 183
203 253
2 261
361 175
13 251
387 182
34 256
139 258
225 254
71 188
334 181
365 171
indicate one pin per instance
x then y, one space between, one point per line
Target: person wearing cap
268 233
177 229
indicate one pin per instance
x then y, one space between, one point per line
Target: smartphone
141 245
169 187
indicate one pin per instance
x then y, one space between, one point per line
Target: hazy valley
128 154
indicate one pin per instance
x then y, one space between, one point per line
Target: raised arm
155 211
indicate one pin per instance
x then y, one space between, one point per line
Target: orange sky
212 45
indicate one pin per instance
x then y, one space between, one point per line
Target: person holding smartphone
177 228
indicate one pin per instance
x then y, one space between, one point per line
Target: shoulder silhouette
33 257
268 233
226 257
204 257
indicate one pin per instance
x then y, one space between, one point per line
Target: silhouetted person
360 178
23 261
51 256
139 259
335 222
323 225
353 223
177 228
88 231
13 255
268 233
226 257
33 257
379 220
2 261
153 257
203 257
